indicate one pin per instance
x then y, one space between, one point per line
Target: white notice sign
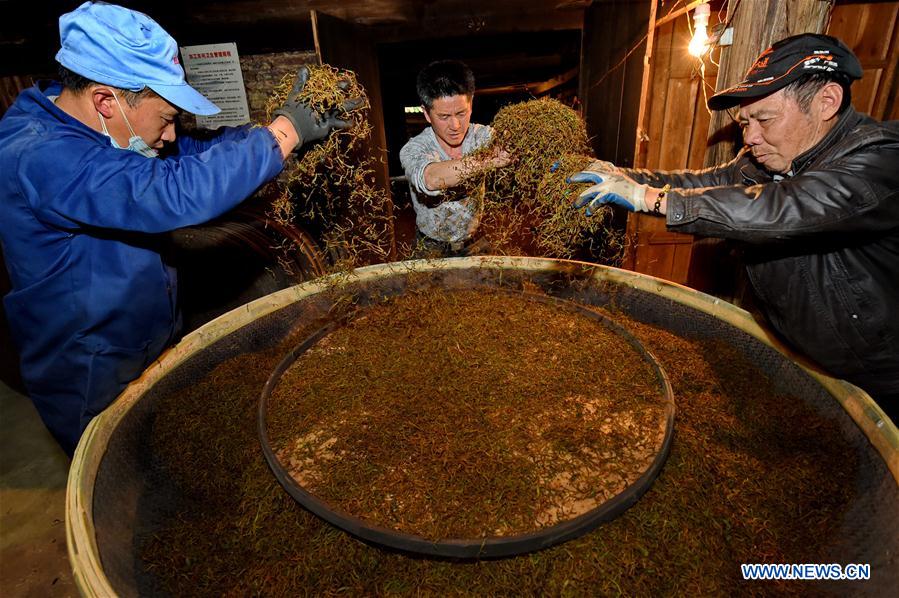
214 71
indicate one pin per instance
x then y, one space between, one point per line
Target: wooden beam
313 15
640 147
536 88
541 88
676 13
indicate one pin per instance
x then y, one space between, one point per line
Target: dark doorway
508 68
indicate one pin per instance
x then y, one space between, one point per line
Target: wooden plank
887 105
677 129
661 253
430 20
10 87
347 46
682 65
667 238
661 264
871 30
658 96
871 24
671 130
646 254
701 118
865 92
640 144
642 138
680 263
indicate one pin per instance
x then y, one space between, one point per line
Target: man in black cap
815 196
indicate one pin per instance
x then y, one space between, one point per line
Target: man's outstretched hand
311 125
609 188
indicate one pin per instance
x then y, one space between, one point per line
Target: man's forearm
683 179
447 174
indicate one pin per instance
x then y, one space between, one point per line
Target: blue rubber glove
609 188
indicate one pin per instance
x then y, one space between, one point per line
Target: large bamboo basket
111 497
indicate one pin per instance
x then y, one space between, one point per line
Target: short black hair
444 78
805 87
76 83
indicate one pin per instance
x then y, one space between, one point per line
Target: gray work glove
309 124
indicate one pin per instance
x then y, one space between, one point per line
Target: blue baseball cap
124 48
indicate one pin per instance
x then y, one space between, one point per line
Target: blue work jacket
92 302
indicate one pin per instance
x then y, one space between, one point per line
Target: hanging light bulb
700 40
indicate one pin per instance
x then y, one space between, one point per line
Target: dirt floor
33 471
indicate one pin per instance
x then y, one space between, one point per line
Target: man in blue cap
81 186
814 195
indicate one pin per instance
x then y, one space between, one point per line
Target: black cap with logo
786 61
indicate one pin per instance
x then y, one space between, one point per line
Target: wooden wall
871 29
11 86
676 127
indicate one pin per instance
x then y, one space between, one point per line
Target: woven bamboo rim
84 554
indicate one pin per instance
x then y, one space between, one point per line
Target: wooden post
757 24
641 145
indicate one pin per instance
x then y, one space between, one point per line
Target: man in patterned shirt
437 159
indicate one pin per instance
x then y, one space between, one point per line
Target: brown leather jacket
822 245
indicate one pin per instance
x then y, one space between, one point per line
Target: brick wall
261 72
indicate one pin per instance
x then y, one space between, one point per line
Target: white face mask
135 142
